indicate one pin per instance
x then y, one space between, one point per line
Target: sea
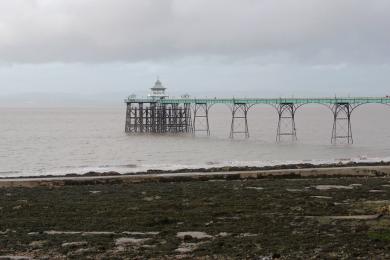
43 140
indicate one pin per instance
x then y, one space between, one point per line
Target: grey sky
203 47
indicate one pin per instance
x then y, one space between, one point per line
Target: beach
270 214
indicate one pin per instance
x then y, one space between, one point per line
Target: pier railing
351 100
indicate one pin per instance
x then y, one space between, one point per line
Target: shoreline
243 173
293 166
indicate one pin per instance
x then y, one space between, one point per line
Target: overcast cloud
314 31
244 36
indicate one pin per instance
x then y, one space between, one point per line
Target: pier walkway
277 101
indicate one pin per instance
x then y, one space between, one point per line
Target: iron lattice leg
187 118
132 118
342 129
286 122
201 112
128 122
240 113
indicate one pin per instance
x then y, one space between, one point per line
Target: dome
158 85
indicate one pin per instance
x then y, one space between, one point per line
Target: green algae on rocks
231 219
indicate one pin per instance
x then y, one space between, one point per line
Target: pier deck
272 101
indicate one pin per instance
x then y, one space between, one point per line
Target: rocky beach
311 213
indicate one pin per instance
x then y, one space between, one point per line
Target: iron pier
158 113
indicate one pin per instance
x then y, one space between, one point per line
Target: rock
293 190
321 197
328 187
247 235
255 188
93 233
352 217
80 251
187 247
54 232
74 244
223 234
193 234
5 232
377 201
130 241
209 223
229 218
385 210
148 198
91 173
140 233
38 244
14 257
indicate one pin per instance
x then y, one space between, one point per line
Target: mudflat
284 217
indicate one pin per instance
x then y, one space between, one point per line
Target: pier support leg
286 122
187 117
140 118
201 118
342 130
162 118
134 118
153 118
128 118
239 123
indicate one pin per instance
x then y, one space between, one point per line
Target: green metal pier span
277 101
159 113
164 114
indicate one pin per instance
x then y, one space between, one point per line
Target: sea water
54 140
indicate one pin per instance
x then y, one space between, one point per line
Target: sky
109 49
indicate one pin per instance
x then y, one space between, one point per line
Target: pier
159 113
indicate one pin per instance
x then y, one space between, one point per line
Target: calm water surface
36 141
